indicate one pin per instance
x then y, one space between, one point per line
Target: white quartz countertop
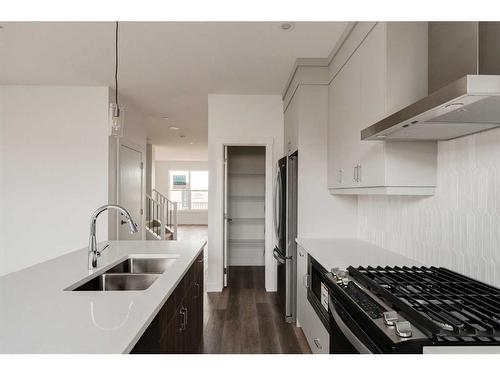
37 314
345 252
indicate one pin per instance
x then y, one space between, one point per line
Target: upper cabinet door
336 134
383 71
373 73
344 92
291 118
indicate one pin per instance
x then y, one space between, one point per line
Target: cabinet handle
339 176
359 172
305 281
318 344
301 253
183 314
197 290
355 174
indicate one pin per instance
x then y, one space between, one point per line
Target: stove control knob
345 281
403 329
390 318
342 274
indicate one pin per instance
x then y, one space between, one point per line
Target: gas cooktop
443 304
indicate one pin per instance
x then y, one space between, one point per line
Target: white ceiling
166 68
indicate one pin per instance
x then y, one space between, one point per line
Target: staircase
161 217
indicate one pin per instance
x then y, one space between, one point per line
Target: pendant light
116 113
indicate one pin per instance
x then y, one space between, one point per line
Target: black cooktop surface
445 304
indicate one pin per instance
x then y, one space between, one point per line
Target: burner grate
439 301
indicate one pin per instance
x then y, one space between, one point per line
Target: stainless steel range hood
464 75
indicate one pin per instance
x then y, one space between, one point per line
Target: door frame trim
270 263
133 146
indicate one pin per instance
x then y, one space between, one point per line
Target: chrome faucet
93 252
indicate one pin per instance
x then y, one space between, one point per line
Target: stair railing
155 218
169 209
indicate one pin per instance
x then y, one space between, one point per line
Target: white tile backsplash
458 227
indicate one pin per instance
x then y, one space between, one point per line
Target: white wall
458 227
240 119
53 170
195 152
162 168
319 214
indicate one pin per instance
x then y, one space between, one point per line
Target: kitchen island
38 314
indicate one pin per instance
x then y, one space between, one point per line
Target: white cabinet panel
316 334
344 92
291 120
370 155
301 284
360 95
336 174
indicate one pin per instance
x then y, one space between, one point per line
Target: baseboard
214 287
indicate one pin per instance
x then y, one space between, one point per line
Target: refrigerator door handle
286 250
277 203
280 206
278 257
275 195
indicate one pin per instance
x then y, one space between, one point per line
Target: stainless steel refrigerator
285 226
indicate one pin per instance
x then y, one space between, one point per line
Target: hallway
244 318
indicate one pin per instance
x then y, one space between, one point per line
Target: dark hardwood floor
244 318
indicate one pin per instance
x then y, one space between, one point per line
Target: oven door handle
349 335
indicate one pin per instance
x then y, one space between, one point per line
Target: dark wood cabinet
178 327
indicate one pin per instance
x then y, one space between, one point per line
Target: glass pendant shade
116 117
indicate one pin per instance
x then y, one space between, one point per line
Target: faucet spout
92 255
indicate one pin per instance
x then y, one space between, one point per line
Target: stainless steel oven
410 310
346 336
358 321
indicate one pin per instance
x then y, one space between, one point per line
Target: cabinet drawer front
317 335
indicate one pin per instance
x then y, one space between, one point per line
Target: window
189 189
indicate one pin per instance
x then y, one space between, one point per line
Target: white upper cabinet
291 119
387 71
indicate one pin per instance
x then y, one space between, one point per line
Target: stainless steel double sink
133 273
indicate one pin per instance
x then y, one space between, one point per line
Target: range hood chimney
463 84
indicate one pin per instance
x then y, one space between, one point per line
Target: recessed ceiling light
173 128
287 26
191 143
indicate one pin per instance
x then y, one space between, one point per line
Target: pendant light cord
116 63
